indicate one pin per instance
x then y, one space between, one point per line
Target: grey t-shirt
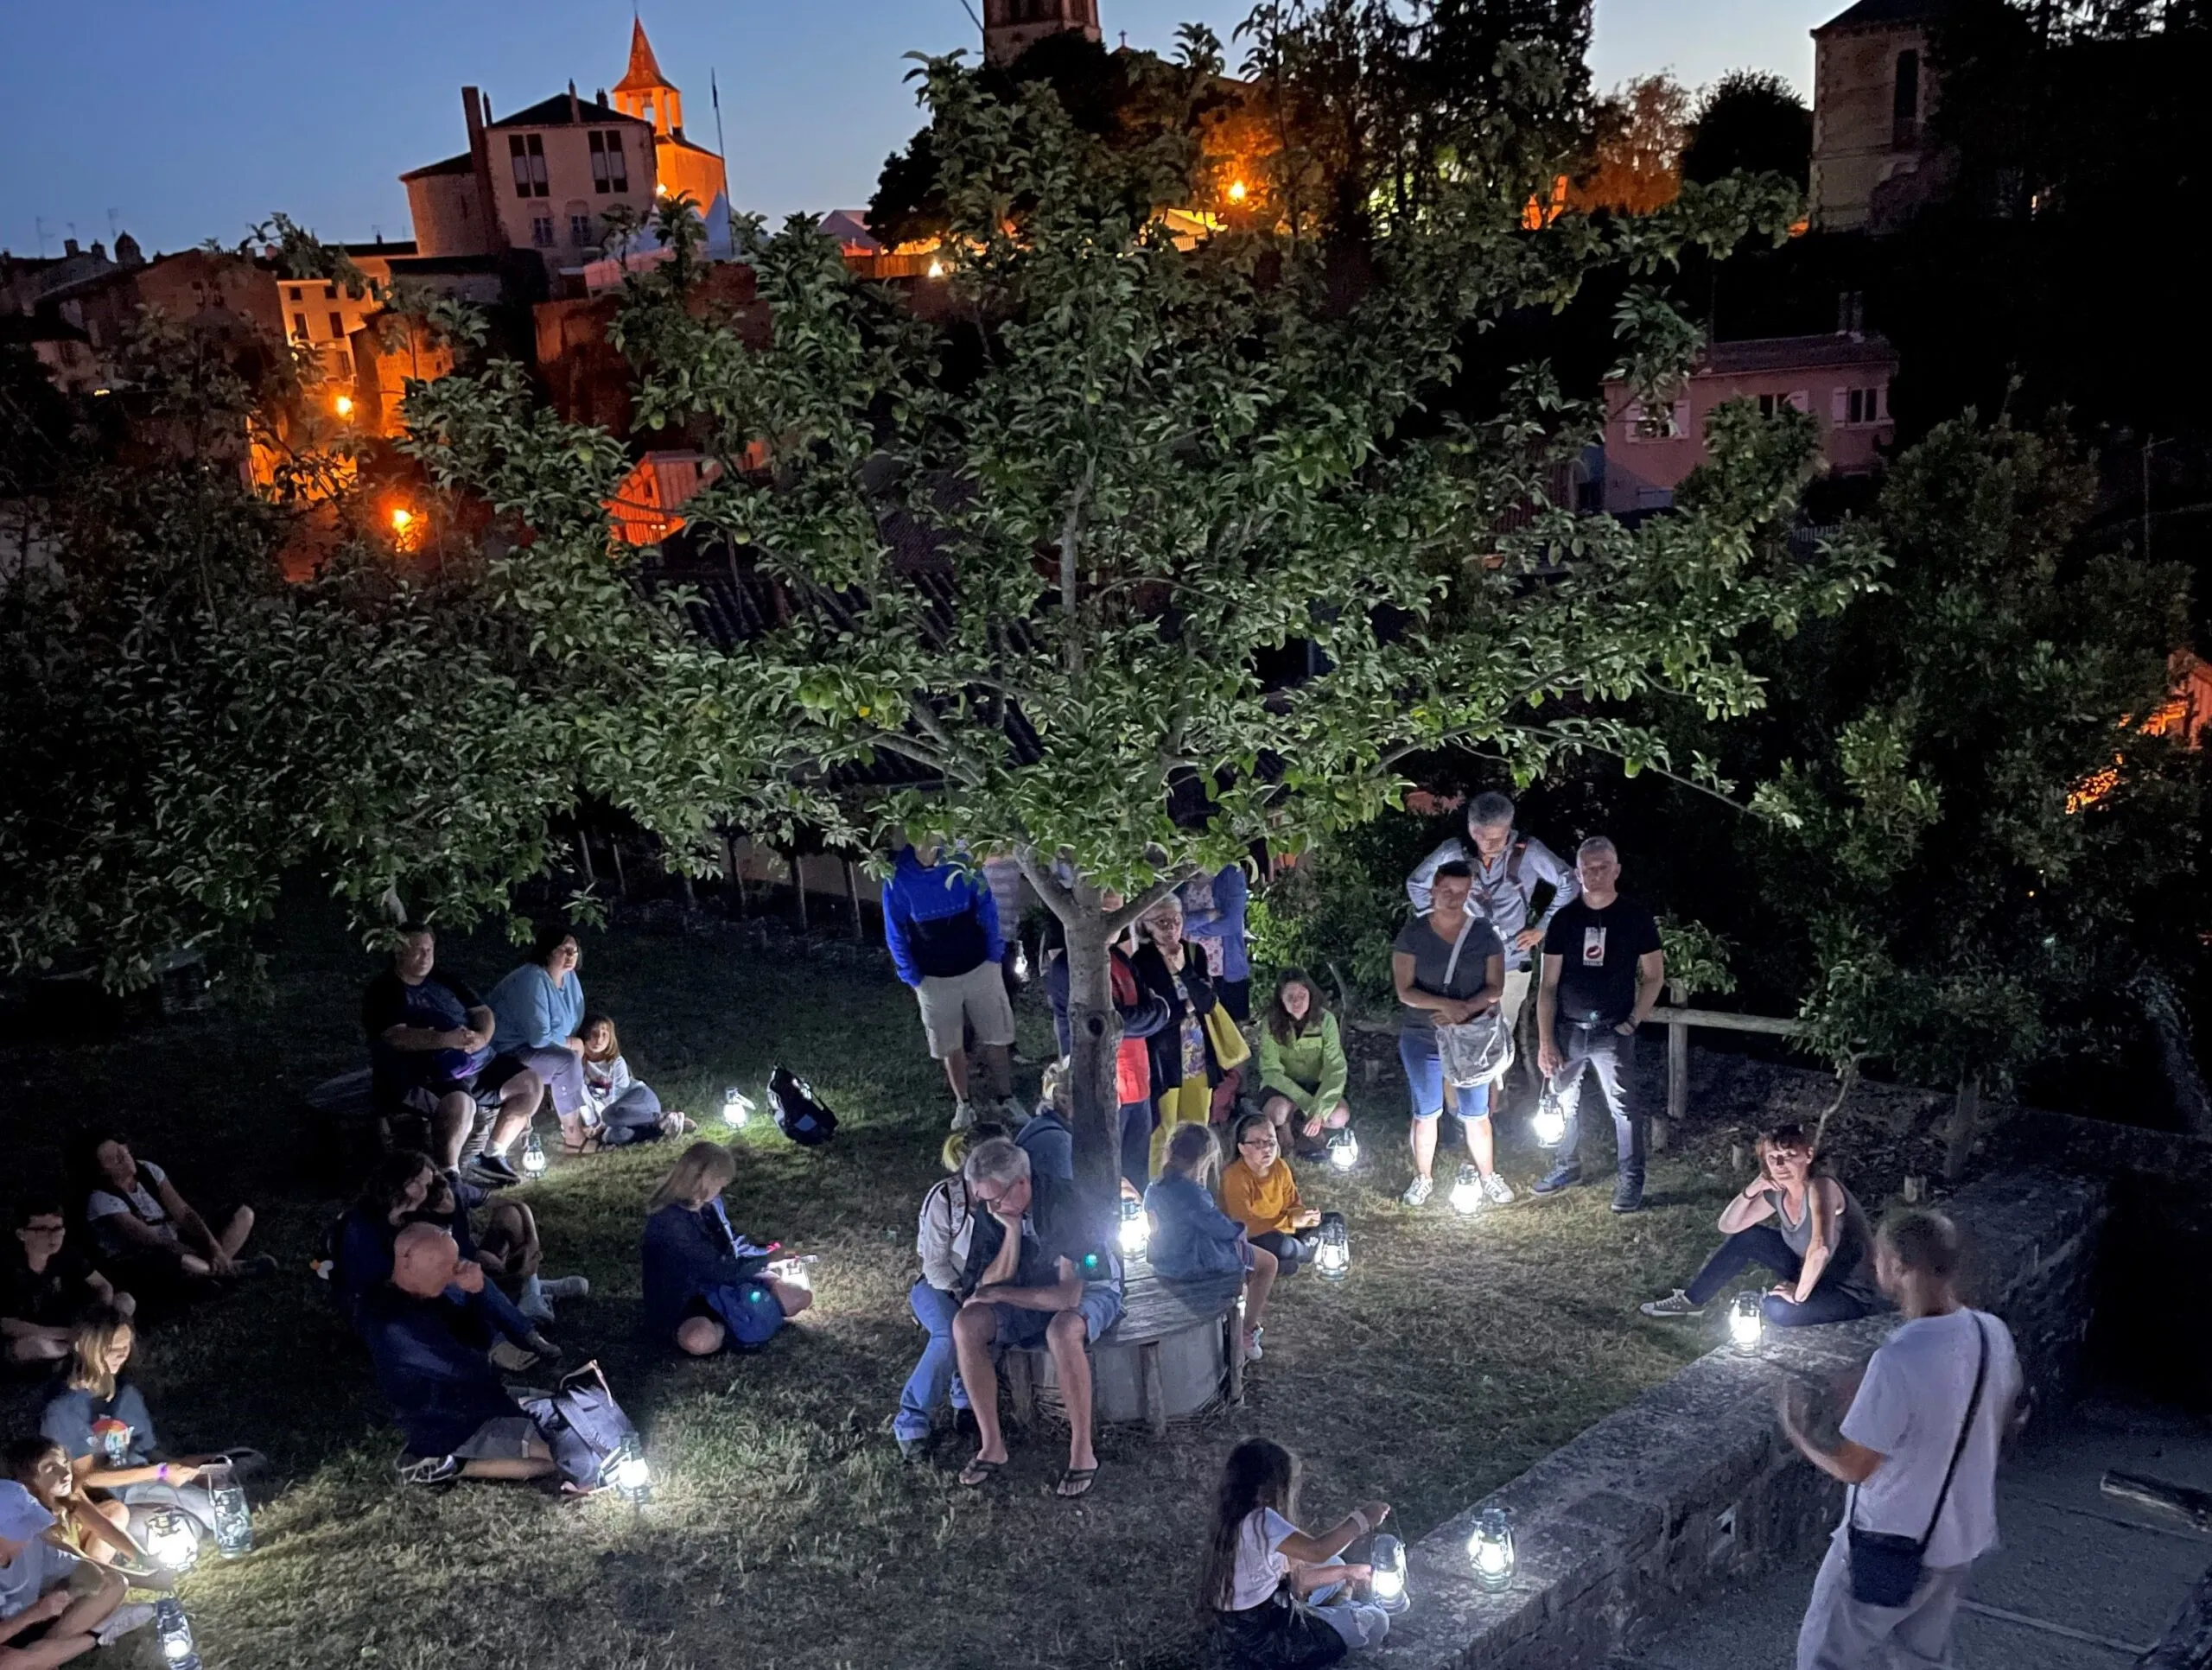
1432 955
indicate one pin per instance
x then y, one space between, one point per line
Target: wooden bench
1177 1351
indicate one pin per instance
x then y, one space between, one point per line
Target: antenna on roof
729 208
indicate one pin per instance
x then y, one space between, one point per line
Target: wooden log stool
1177 1351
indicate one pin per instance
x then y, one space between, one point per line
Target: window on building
1860 406
1669 423
580 230
1904 108
610 168
296 291
344 362
526 151
541 231
299 327
330 292
338 326
1797 400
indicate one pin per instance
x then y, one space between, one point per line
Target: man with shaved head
460 1420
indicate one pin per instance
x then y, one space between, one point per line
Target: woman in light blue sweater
536 1011
1192 1238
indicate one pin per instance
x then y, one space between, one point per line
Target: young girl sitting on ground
1280 1598
619 1109
1191 1237
94 1531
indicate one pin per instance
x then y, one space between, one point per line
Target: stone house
1874 92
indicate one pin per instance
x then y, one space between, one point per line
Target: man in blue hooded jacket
943 927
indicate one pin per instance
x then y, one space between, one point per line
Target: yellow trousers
1189 1103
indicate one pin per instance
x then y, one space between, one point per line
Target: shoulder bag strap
1452 966
1966 1429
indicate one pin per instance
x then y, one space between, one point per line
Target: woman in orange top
1258 1190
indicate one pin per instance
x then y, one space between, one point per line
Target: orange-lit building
1012 27
681 168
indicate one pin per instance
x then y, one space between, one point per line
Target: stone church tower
645 93
1012 27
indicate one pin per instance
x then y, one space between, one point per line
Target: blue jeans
633 1116
1606 1056
925 1387
1424 1067
1762 1244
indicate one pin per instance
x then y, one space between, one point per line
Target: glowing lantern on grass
1136 1227
172 1540
233 1519
1548 1123
1332 1255
1387 1562
1467 1192
174 1631
625 1468
1746 1322
737 1108
1344 1150
1491 1548
533 1154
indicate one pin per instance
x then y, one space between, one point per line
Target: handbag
1885 1565
1229 1049
1472 1051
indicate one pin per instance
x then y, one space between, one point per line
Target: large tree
1131 476
1749 122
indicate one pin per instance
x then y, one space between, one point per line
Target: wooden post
1966 1116
1678 1083
583 846
853 892
798 886
621 879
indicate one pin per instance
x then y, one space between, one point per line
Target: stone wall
1693 1485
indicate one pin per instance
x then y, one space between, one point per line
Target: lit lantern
343 405
1491 1548
533 1154
234 1520
402 519
174 1631
1746 1322
1548 1124
1387 1562
1467 1192
1022 963
1332 1255
737 1108
1344 1150
1236 191
1136 1227
625 1470
172 1540
936 268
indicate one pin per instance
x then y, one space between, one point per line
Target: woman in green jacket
1303 1071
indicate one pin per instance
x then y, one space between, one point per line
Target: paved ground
2084 1581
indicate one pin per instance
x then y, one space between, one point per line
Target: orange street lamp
343 405
1236 191
936 268
402 519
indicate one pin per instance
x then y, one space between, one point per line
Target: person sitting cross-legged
1192 1237
459 1418
1282 1597
1038 1275
706 1285
65 1606
1804 1226
148 1235
1258 1190
1303 1068
620 1108
46 1286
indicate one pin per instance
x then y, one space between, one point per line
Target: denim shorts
1424 1068
1100 1308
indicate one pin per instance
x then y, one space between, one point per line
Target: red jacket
1133 1058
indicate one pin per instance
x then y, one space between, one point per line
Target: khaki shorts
952 1003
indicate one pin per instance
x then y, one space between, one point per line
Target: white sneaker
122 1621
565 1286
1497 1189
1417 1192
964 1115
1252 1352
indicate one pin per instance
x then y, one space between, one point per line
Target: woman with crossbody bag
1449 970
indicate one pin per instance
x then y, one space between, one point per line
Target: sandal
978 1473
589 1140
1078 1477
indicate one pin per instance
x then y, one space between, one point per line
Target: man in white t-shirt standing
1903 1427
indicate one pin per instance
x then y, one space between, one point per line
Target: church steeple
644 91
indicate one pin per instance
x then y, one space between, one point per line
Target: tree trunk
1094 1031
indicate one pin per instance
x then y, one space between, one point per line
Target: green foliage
1336 912
1750 122
1697 958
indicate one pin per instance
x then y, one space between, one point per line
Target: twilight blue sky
187 121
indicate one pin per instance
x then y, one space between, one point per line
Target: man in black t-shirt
1038 1275
1603 972
46 1286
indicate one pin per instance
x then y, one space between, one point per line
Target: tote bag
1472 1051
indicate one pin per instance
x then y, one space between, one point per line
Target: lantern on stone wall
737 1108
1490 1547
1332 1247
1467 1192
174 1631
1747 1323
533 1154
1135 1227
1344 1150
1387 1563
1548 1123
172 1540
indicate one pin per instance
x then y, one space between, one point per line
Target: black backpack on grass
800 1113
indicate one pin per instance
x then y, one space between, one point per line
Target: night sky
179 123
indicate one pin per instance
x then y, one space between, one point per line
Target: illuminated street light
343 405
1236 191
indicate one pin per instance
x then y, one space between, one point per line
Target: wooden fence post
1678 1083
583 846
798 886
853 892
621 877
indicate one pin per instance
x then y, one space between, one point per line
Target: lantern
1548 1123
737 1108
1136 1227
1491 1548
234 1520
625 1470
174 1631
1332 1255
1344 1150
1021 963
1467 1192
1387 1563
172 1540
1746 1322
533 1154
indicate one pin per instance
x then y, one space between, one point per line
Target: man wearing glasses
46 1286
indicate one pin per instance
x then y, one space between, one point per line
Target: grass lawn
785 1530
